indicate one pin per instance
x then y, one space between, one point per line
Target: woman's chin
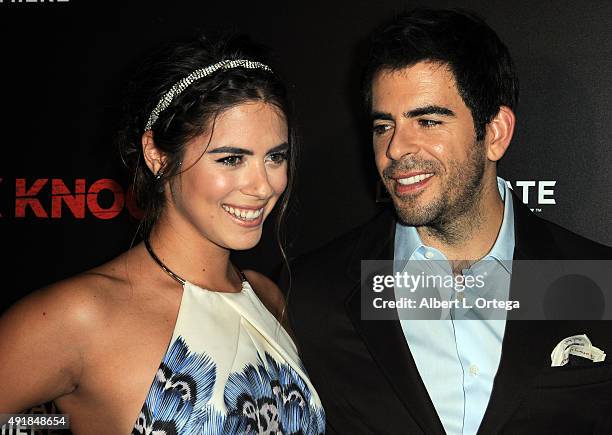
243 243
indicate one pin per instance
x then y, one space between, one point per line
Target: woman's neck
192 256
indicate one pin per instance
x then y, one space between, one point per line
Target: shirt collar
408 241
503 249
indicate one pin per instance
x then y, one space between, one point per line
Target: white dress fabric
230 368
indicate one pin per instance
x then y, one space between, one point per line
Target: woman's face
226 193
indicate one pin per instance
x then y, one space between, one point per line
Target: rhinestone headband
198 74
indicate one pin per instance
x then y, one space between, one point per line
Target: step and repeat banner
65 200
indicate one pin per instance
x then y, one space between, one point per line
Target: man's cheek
438 149
381 162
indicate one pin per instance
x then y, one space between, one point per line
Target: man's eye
277 158
428 123
230 160
380 129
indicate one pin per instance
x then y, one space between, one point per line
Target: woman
170 337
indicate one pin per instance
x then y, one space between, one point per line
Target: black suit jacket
367 378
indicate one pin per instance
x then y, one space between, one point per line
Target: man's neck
471 236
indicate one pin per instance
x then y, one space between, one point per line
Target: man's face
425 144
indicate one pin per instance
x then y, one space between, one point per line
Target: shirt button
429 255
474 370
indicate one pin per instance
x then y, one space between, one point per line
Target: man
441 90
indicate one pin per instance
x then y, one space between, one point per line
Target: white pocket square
578 345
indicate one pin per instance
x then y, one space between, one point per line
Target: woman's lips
245 216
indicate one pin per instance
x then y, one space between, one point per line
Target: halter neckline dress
230 368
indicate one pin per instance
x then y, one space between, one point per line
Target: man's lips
412 177
412 182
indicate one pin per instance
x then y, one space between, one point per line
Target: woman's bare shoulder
45 336
81 301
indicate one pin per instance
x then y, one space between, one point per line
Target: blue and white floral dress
230 368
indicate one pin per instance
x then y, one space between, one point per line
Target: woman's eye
428 123
277 158
230 160
380 129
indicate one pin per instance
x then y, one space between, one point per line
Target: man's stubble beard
451 215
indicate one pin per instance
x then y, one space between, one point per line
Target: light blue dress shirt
458 359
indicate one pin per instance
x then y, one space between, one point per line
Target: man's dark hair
481 64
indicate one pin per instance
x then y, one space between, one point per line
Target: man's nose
257 182
403 142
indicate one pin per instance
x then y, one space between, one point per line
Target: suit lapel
522 354
384 338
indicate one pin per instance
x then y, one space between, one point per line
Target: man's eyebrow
413 113
384 116
429 110
231 150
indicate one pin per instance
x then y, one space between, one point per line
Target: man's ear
153 157
499 133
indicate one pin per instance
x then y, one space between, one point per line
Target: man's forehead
425 82
424 71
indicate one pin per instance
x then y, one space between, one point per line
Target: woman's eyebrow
282 147
237 150
231 150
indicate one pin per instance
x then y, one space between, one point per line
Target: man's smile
413 179
411 183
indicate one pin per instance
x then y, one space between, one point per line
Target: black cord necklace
161 264
173 275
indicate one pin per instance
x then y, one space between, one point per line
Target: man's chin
412 221
414 214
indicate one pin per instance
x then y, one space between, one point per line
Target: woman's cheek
219 184
280 181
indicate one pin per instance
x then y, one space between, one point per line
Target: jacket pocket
558 377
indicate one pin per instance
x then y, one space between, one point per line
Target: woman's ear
499 133
153 157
